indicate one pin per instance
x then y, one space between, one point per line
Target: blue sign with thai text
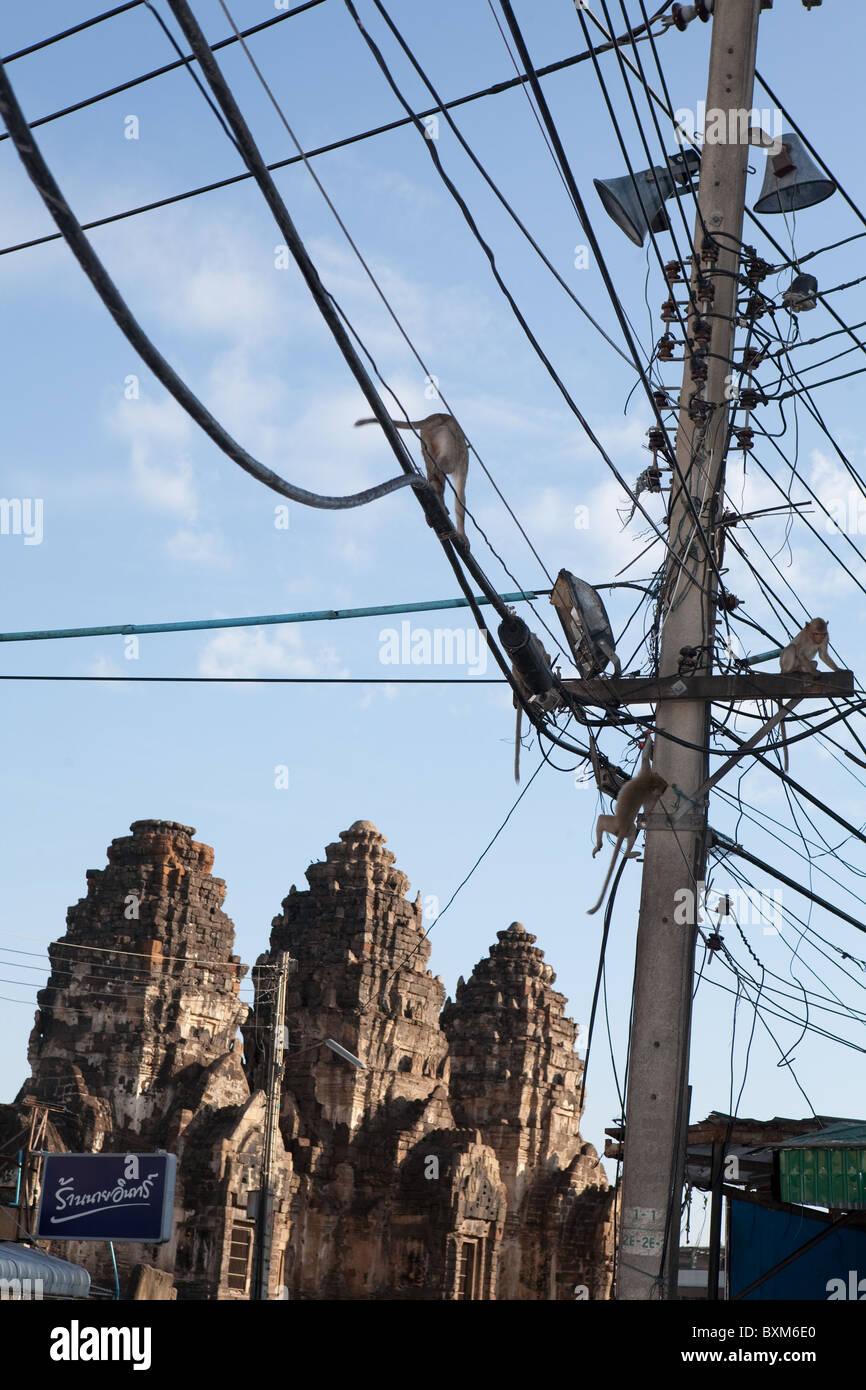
107 1197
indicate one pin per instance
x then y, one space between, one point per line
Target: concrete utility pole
656 1105
265 1210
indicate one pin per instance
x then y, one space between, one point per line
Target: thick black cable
742 853
183 61
98 276
433 508
509 297
493 90
191 70
494 188
574 191
395 319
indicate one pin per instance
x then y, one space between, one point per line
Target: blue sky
145 520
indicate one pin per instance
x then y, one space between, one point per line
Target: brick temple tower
394 1200
516 1077
142 1000
359 976
137 1036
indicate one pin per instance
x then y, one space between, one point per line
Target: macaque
444 450
811 641
639 793
799 658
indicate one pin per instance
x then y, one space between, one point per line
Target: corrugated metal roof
850 1134
60 1279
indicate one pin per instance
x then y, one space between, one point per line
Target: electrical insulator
698 370
745 438
714 941
709 252
656 438
665 348
669 311
752 358
702 330
729 602
757 270
755 307
662 400
673 272
750 398
705 291
527 655
682 15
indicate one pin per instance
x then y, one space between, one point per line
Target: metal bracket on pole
701 794
677 821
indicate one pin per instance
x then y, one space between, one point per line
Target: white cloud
164 487
357 557
161 474
104 666
374 693
198 547
215 277
267 652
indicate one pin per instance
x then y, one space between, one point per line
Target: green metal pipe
763 656
263 620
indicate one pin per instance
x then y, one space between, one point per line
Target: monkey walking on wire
639 793
445 451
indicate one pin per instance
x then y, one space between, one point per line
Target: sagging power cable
48 189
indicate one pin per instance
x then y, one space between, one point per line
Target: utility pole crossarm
744 748
639 690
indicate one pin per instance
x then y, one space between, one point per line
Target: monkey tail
398 424
784 744
591 910
517 744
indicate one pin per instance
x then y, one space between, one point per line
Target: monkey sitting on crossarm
799 658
